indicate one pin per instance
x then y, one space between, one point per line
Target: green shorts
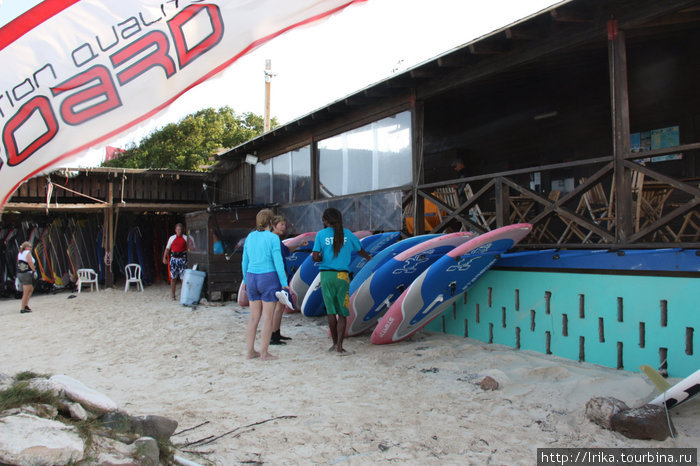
335 286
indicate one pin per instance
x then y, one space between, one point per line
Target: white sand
413 402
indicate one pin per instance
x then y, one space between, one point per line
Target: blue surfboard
383 256
443 282
304 276
670 260
312 305
376 294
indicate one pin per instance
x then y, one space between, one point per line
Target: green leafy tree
192 142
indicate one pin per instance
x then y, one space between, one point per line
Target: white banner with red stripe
76 73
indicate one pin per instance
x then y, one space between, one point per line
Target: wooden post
619 100
315 175
502 203
250 173
109 235
417 120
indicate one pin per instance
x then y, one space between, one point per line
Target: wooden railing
664 210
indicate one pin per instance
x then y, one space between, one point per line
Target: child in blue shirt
263 275
332 248
279 227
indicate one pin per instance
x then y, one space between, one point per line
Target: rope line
78 193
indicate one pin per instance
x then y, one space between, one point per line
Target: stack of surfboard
58 248
65 244
407 283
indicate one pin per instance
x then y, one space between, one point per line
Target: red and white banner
79 72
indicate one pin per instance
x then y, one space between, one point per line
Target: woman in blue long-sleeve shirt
264 275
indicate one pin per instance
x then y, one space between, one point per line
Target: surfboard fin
657 379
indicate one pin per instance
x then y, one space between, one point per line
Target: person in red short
177 248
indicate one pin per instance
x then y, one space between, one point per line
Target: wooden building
119 200
581 119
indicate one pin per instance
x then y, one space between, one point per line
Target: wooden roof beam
679 18
419 73
354 101
490 48
335 109
571 16
523 34
451 61
401 82
377 92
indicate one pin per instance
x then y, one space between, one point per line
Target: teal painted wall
611 320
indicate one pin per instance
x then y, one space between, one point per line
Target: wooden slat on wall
22 190
153 185
138 187
234 186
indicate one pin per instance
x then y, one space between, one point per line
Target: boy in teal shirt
332 248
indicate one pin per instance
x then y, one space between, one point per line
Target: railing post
502 203
619 100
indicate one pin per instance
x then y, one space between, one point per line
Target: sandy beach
416 402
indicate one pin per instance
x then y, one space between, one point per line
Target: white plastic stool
86 276
133 275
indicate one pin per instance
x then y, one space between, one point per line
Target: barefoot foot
268 357
253 355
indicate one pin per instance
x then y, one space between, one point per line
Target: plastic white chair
133 275
86 276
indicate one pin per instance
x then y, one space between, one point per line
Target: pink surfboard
443 282
376 294
299 240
